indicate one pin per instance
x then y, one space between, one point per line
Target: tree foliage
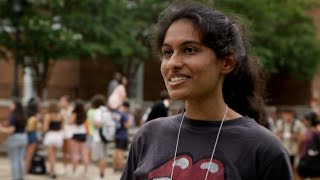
88 29
282 36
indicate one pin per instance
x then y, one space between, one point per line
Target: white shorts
53 138
99 151
68 131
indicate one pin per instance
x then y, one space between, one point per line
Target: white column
28 90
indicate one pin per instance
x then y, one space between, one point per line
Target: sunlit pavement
5 173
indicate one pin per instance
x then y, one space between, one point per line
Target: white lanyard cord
214 147
175 152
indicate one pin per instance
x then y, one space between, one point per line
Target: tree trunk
41 76
131 69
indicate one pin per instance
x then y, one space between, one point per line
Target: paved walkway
92 174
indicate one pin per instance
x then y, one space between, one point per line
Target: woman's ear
228 63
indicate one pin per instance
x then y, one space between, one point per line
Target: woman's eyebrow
184 43
192 42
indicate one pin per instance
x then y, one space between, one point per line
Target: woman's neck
209 109
206 108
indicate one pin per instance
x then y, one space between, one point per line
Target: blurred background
51 48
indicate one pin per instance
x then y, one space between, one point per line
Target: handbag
309 165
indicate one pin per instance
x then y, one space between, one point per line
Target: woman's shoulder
264 139
249 126
161 123
159 126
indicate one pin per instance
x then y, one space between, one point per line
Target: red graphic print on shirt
185 170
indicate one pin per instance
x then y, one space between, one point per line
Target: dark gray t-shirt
245 151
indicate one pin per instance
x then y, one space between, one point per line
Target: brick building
85 78
80 79
315 14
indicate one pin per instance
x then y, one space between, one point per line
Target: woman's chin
177 96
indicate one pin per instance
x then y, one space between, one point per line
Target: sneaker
53 176
101 178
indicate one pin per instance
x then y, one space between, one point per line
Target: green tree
88 29
283 37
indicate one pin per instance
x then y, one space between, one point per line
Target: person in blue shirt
121 137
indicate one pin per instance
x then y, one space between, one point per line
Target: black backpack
309 165
38 165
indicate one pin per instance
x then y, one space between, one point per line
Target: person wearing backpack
99 148
309 164
121 137
289 130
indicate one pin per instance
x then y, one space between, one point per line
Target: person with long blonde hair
53 139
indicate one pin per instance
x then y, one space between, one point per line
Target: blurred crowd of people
74 128
297 133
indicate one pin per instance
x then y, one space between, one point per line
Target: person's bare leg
64 151
102 167
31 148
54 152
118 160
121 158
52 160
85 156
114 160
74 155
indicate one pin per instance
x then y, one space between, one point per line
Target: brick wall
94 77
153 81
4 114
64 79
6 78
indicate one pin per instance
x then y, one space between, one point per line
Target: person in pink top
119 95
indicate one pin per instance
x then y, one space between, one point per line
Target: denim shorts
32 137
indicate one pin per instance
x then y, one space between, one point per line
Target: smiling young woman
204 62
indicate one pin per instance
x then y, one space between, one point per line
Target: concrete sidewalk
92 174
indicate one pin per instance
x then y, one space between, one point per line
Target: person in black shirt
160 108
219 136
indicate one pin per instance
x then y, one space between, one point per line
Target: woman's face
190 69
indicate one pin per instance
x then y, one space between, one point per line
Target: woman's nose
175 62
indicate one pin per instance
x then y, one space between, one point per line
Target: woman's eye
190 50
166 53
